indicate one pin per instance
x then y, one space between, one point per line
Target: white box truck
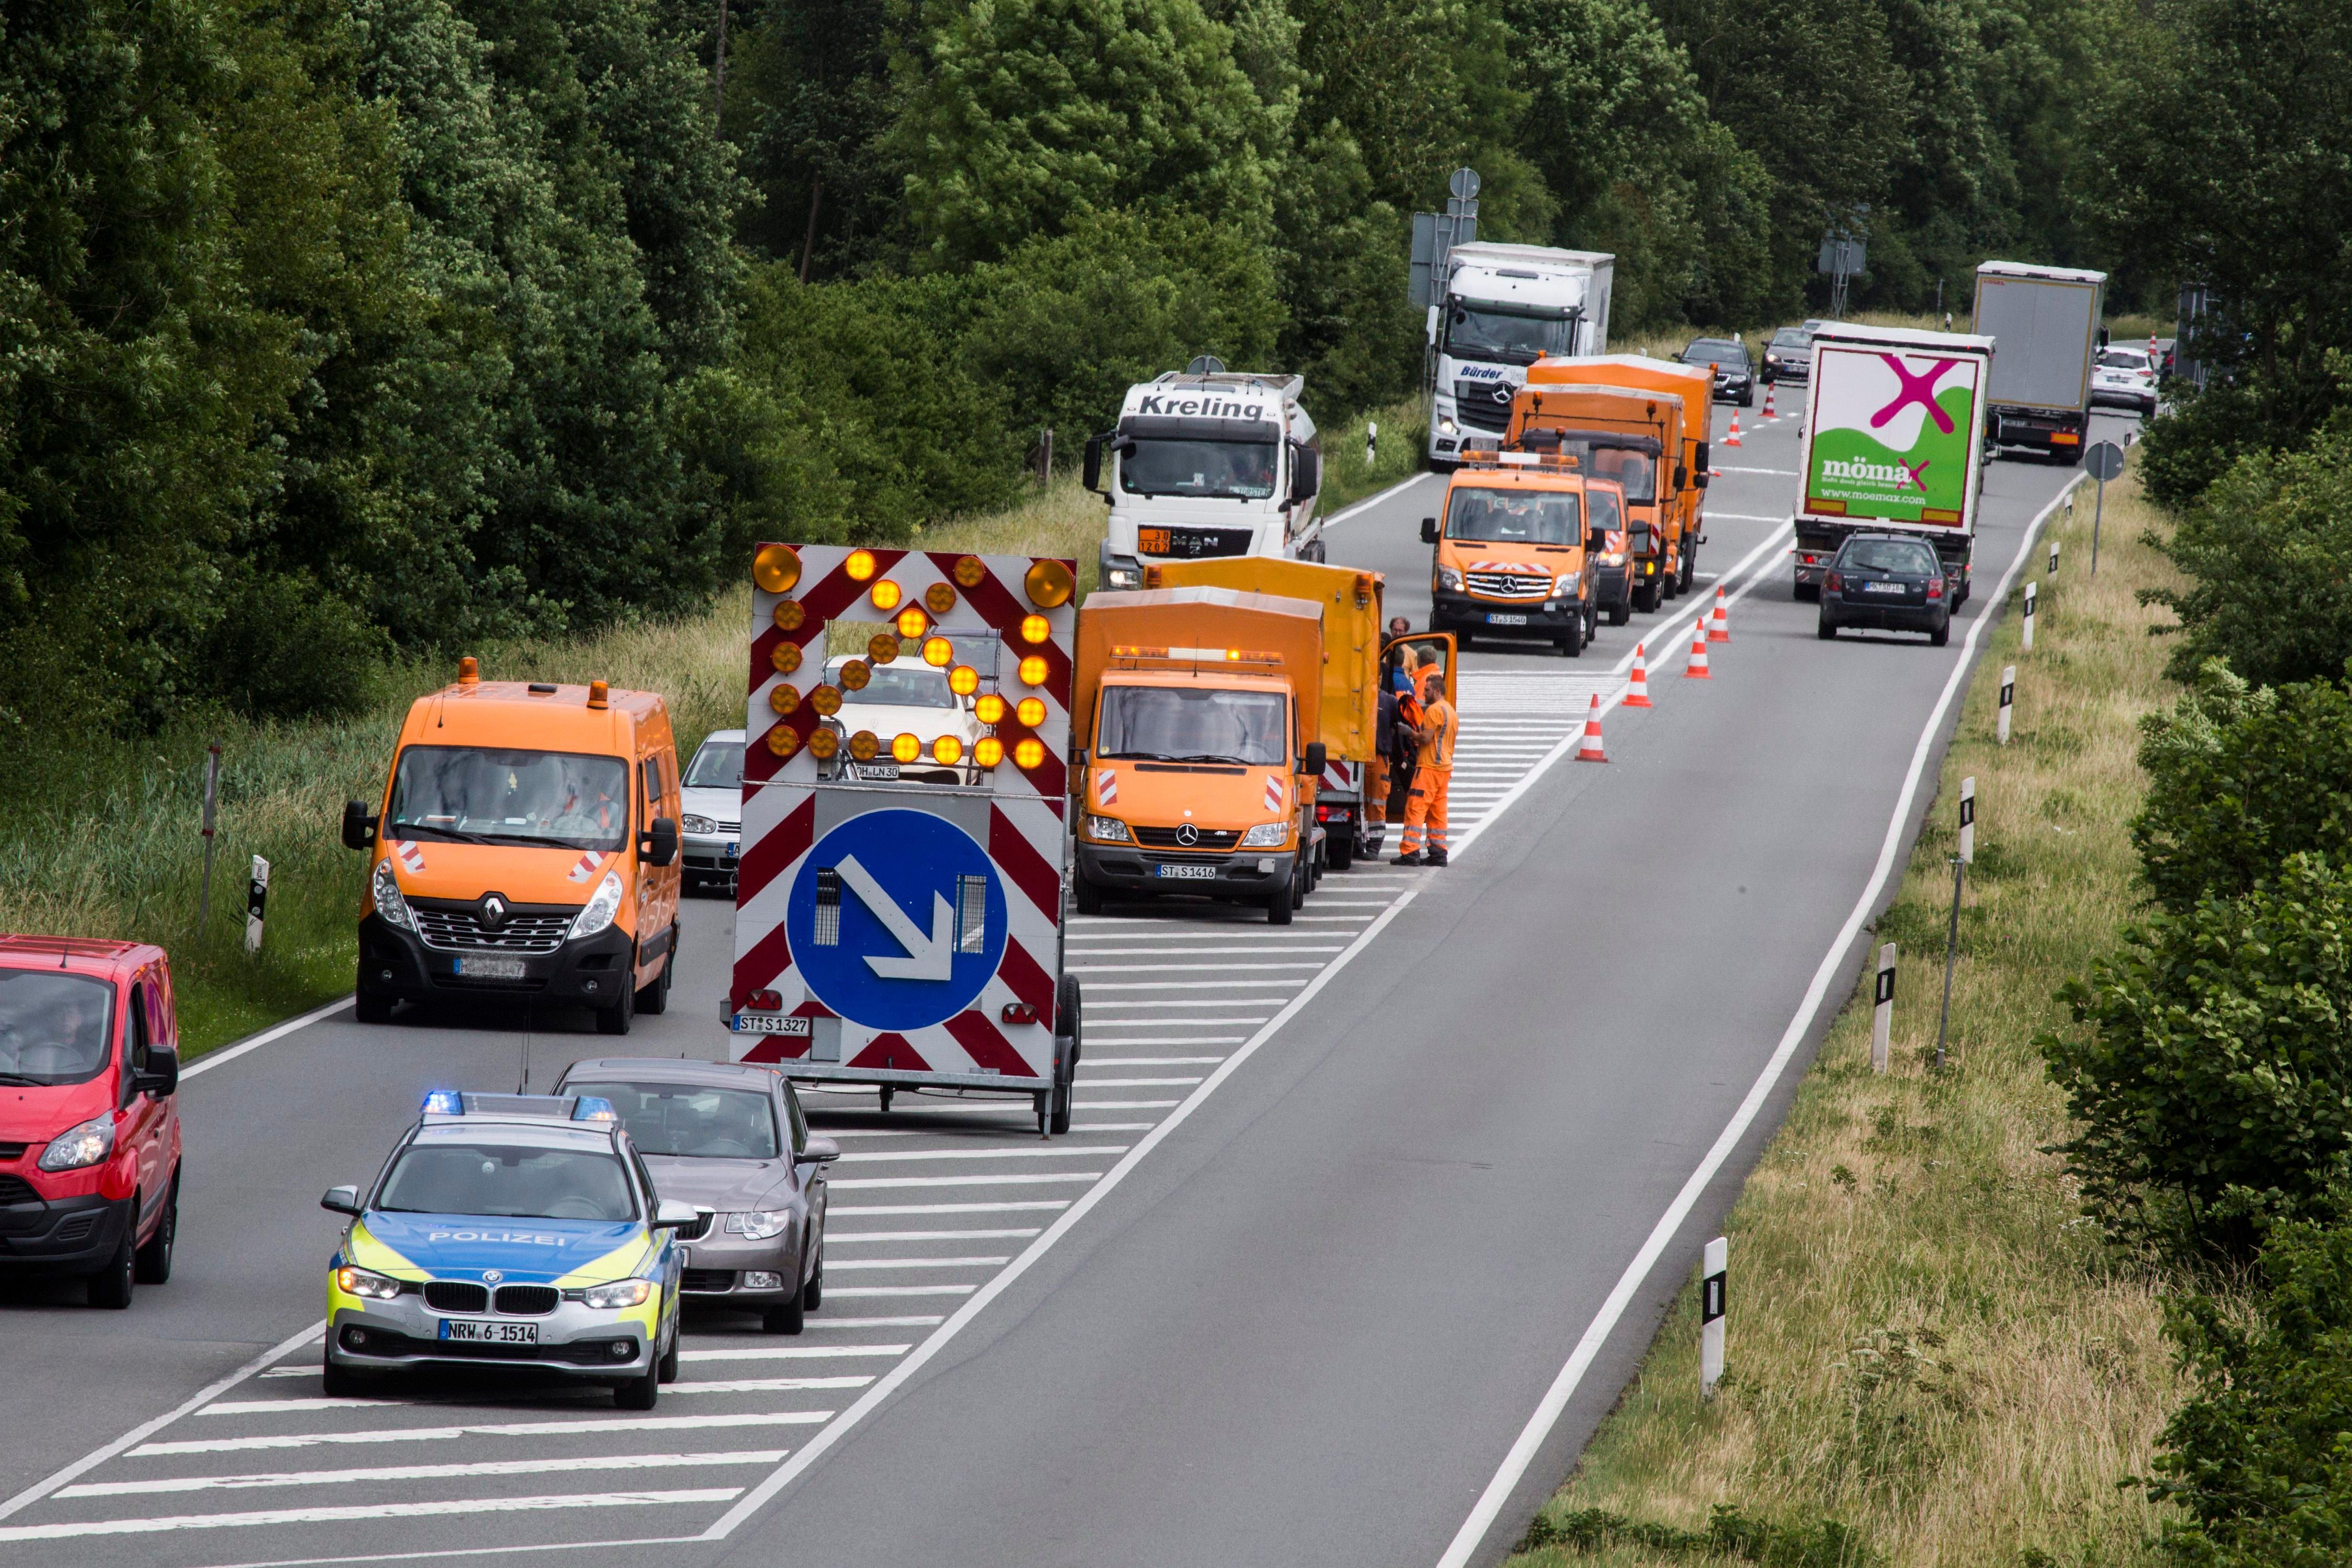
1501 308
1208 462
1893 440
2046 321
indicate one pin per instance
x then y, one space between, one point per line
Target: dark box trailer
2046 322
1893 440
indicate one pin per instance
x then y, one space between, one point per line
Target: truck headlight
389 905
1567 585
1109 830
366 1284
689 823
80 1146
759 1224
1448 579
619 1293
1267 835
1445 425
1613 558
602 906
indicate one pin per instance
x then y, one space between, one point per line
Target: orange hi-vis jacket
1438 728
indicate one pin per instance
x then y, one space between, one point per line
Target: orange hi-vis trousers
1376 789
1425 811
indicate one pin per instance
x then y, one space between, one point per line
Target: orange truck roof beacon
526 842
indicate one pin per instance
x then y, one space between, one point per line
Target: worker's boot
1412 860
1436 858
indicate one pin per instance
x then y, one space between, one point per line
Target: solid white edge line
1336 519
1548 1413
145 1431
205 1063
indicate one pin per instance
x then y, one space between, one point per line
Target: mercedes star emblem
1188 835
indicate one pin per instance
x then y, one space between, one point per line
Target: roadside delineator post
1696 669
2026 642
1714 1275
1718 626
1733 438
2008 696
1371 442
1882 1010
256 900
1960 863
2054 558
1591 749
1637 687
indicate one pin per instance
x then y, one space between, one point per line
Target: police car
509 1227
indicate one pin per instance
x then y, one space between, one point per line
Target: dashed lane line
564 1502
379 1473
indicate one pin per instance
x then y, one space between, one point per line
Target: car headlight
1267 835
1449 580
619 1293
759 1224
1108 828
1445 426
366 1283
689 823
78 1147
1613 558
390 907
1566 583
598 912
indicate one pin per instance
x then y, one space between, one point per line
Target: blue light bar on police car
593 1108
445 1102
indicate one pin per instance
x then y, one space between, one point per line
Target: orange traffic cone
1769 388
1637 689
1733 439
1591 752
1718 627
1697 669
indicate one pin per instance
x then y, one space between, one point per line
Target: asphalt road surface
1338 1202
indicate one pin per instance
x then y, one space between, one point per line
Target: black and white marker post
1714 1273
2008 697
2054 558
1960 863
211 817
1371 442
2026 642
256 898
1882 1012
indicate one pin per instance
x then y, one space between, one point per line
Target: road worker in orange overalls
1433 777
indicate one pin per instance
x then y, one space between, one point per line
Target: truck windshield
1238 471
1636 471
53 1026
1173 725
914 686
1505 337
508 1182
718 764
690 1119
475 795
1515 517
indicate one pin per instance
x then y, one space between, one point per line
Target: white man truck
2046 321
1501 308
1893 441
1208 462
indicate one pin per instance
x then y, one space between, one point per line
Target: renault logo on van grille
494 911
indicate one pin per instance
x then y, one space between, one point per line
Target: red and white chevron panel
1017 815
1339 776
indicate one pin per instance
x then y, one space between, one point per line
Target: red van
89 1113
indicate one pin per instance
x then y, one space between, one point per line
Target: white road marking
1151 1061
898 1290
1166 1040
1127 1005
1522 1452
477 1429
312 1402
1193 985
875 1322
766 1384
800 1352
227 1053
420 1472
844 1238
833 1210
1122 1104
839 1264
361 1510
895 1155
1138 1082
861 1182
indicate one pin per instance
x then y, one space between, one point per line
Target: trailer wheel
1809 593
1342 847
889 1091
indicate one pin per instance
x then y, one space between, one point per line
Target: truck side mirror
359 827
1682 476
660 846
1306 473
161 1075
1092 470
1703 464
1703 477
1311 765
1429 531
1597 540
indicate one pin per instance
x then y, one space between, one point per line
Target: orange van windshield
1515 516
475 795
1173 725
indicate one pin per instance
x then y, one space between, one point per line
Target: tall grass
1927 1341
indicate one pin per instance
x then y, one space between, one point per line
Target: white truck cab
1504 307
1208 462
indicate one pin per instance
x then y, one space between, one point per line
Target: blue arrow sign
897 920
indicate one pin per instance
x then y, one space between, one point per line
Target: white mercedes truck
1208 462
1504 307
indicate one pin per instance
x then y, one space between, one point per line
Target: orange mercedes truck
525 845
1196 710
1510 555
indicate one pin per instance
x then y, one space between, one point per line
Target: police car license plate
1187 873
771 1023
487 1331
491 968
1507 620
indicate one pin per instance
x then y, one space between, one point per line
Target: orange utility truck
1195 712
1643 422
525 845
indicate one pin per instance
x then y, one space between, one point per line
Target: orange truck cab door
1444 642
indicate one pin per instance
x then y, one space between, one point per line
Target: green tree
810 98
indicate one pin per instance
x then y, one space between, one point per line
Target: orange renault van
527 847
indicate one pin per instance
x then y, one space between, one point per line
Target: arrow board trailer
1893 442
906 931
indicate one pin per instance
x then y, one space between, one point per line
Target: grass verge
1928 1345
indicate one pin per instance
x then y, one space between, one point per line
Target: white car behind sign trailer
908 934
2125 377
710 798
